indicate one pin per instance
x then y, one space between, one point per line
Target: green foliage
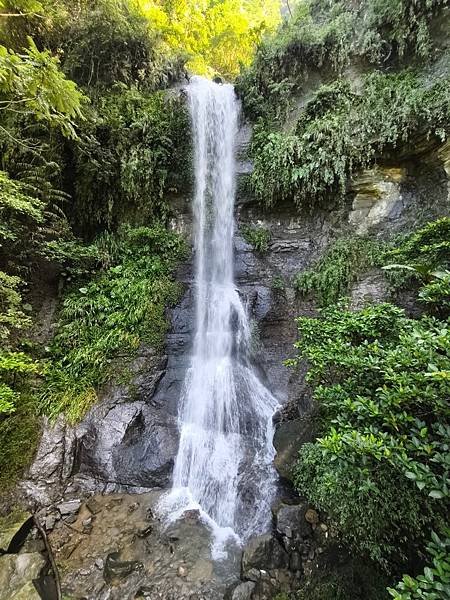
423 257
110 41
76 259
71 169
12 316
20 214
258 237
434 584
102 324
341 130
422 252
134 148
340 266
381 467
436 293
14 366
19 436
216 36
325 36
32 82
345 579
278 283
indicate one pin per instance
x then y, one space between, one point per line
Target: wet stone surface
128 553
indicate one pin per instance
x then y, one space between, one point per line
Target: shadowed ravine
225 414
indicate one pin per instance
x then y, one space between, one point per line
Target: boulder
289 436
291 522
52 465
116 569
70 507
243 591
265 553
17 573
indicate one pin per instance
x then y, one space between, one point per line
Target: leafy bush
381 466
110 41
341 265
216 37
19 213
436 293
340 131
423 251
134 148
258 237
326 36
102 324
33 83
351 580
434 584
12 316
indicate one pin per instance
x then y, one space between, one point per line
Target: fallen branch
50 557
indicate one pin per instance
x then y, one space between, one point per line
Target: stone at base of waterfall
291 521
289 437
17 572
129 554
243 591
264 553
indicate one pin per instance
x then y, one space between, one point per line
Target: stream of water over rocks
224 466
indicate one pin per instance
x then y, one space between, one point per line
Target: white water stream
224 462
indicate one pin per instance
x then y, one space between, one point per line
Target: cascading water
224 462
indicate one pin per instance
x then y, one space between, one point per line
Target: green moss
19 436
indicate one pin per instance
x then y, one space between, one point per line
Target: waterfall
224 463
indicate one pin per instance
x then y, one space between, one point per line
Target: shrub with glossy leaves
382 381
434 583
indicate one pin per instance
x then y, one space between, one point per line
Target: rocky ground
114 547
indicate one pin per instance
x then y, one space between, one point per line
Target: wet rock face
289 437
127 441
243 591
52 465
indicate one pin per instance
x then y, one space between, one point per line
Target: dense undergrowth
342 130
379 467
311 135
103 322
327 36
76 164
339 87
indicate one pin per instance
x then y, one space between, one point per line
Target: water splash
224 463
